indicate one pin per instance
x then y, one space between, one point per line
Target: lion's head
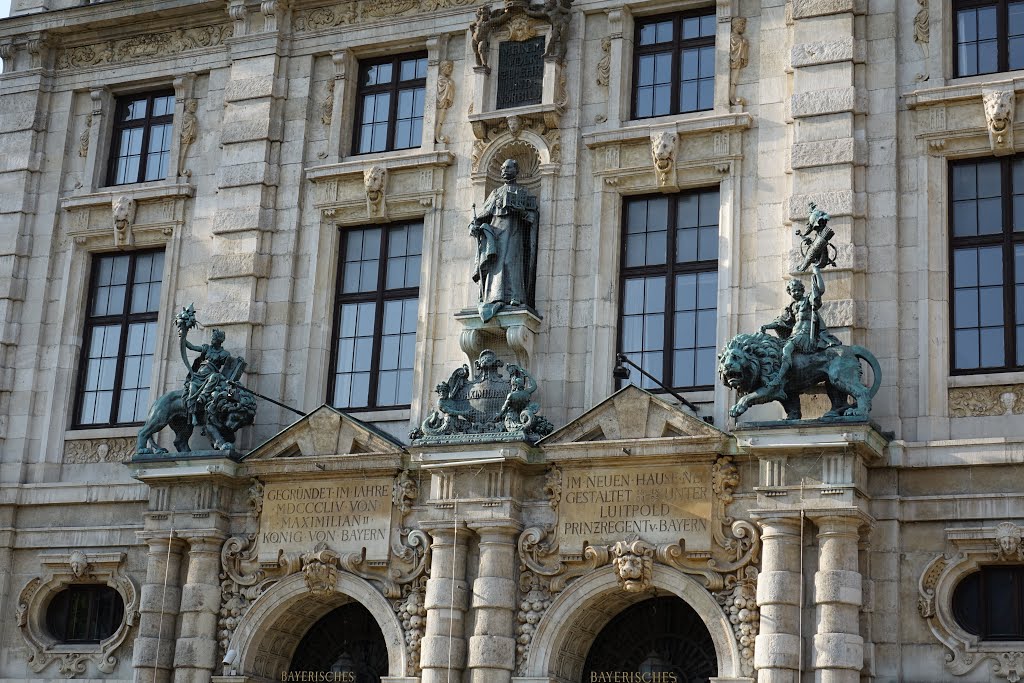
663 149
633 562
373 179
233 409
748 360
998 109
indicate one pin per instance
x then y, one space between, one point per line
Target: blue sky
5 7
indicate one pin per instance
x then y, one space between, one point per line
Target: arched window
989 603
87 613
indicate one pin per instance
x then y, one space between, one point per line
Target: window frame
379 296
983 574
120 102
678 44
1006 240
1002 37
97 591
393 88
124 319
669 271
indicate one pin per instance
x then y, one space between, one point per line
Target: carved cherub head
79 564
1008 539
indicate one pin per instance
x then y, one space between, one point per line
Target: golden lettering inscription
633 677
660 504
320 676
347 515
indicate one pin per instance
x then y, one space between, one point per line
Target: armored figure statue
506 235
765 368
211 398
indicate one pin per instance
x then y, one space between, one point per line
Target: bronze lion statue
749 362
224 414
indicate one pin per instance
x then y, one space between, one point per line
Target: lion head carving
999 108
749 361
123 208
634 564
663 150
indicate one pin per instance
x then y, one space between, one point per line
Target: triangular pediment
631 413
324 432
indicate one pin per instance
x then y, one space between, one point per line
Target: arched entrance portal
347 642
659 640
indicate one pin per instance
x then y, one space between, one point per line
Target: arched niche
268 634
570 625
528 158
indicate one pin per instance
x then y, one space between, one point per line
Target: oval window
989 603
84 613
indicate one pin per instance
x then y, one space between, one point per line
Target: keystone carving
663 153
124 216
634 565
1008 543
320 570
999 109
375 180
79 564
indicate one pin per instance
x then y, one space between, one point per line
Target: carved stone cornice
60 571
154 45
972 547
356 11
379 189
986 401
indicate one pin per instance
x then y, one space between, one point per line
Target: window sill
688 124
156 189
986 379
965 88
393 415
392 159
80 433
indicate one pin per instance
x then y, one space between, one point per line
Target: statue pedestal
511 331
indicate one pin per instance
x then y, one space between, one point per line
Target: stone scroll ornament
484 406
402 579
212 399
765 368
727 571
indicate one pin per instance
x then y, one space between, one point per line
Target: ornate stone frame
972 547
59 572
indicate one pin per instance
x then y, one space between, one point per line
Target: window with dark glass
390 111
987 257
668 299
120 334
989 36
375 317
143 127
674 64
84 613
989 603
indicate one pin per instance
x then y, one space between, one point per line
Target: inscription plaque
347 515
660 504
520 72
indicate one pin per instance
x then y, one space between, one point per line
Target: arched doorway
658 640
348 642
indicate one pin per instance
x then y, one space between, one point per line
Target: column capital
161 539
451 532
495 527
841 521
206 541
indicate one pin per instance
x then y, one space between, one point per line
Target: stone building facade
273 162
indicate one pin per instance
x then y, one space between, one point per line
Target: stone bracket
515 328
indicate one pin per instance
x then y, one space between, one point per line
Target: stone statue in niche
212 399
765 368
505 230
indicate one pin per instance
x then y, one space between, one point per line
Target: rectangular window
989 36
390 110
668 299
987 264
674 64
120 334
375 318
143 128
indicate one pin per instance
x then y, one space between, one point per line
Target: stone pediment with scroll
326 432
631 414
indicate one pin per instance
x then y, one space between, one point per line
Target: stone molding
986 401
88 451
154 45
358 11
380 189
59 572
136 215
726 572
967 119
972 547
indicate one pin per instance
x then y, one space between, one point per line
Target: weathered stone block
496 652
437 651
492 591
837 586
803 9
829 101
838 650
778 588
777 650
826 153
249 88
238 265
439 594
827 52
837 203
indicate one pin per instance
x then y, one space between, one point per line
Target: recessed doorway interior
348 642
658 640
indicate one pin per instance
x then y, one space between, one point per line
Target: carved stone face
124 211
373 178
663 147
515 126
998 109
78 564
739 24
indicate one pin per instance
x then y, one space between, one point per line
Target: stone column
492 647
778 647
443 648
838 645
196 652
160 599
